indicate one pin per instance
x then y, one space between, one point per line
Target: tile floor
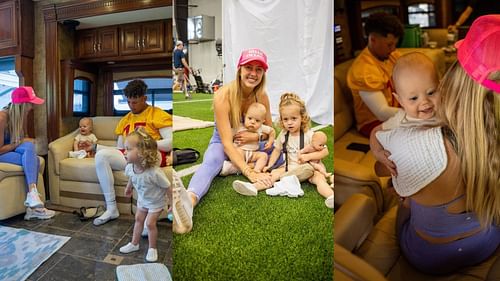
92 252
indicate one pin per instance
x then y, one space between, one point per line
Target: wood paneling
52 81
10 26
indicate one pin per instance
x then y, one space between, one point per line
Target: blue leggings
213 159
24 155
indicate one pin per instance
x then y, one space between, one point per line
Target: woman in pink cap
452 220
229 103
16 149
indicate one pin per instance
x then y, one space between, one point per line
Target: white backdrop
297 37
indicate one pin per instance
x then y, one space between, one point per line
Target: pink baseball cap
24 95
478 52
250 55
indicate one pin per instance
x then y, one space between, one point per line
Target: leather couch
354 172
13 189
365 251
73 182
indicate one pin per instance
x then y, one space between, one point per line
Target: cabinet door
130 39
87 43
8 25
107 45
153 37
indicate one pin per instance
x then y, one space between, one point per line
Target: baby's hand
268 145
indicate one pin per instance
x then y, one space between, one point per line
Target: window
159 94
81 97
422 14
8 80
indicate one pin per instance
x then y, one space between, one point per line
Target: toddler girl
151 184
295 133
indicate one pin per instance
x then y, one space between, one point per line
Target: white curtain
297 37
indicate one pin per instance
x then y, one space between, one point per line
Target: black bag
185 155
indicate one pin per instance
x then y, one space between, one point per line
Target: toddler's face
291 118
416 92
254 119
131 150
85 127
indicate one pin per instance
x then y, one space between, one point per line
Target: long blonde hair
17 114
234 96
287 99
472 112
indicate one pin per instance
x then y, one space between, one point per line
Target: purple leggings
211 166
24 155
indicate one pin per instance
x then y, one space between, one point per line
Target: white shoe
129 248
107 216
329 202
152 255
41 213
228 169
292 186
33 200
182 207
278 189
244 188
144 232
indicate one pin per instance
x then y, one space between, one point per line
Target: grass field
250 238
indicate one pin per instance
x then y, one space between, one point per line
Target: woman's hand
263 178
245 137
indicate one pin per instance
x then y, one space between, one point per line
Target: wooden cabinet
142 38
100 42
9 25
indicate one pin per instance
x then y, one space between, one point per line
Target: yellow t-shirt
152 118
369 74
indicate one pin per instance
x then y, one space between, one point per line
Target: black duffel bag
185 155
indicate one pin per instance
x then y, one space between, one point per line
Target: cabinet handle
95 49
143 43
99 46
138 43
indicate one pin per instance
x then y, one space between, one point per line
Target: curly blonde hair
287 99
148 149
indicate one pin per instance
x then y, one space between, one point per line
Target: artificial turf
252 238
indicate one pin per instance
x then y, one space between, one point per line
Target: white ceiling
126 17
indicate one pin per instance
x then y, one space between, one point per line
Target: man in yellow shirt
369 77
157 123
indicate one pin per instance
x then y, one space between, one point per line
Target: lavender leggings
24 155
212 164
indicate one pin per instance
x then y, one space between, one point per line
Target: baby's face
254 119
416 92
85 127
318 141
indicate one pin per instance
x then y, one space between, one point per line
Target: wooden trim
107 77
89 8
52 80
90 196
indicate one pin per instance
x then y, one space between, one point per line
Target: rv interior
366 247
78 56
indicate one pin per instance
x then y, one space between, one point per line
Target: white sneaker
107 216
129 248
152 255
244 188
292 186
41 214
278 189
182 207
329 202
33 200
228 169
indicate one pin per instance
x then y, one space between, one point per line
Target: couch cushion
104 127
83 170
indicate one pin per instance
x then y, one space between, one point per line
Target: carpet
23 251
185 123
143 272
